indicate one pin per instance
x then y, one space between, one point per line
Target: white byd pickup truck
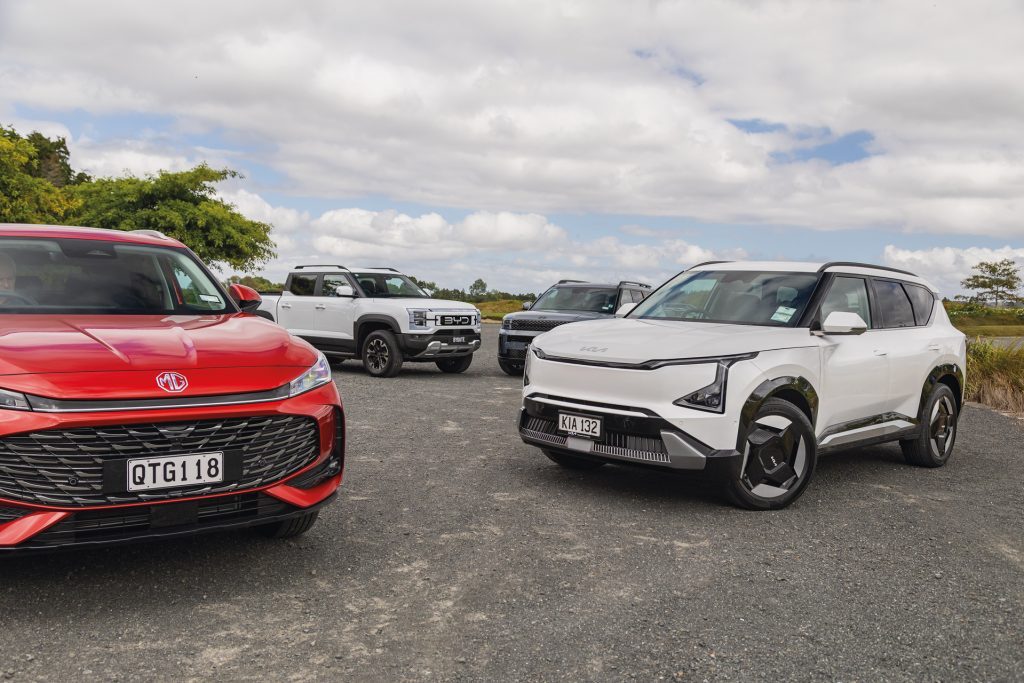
377 315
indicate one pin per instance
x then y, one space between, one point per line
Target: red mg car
140 400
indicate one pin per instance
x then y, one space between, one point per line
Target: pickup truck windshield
382 285
736 297
591 299
69 276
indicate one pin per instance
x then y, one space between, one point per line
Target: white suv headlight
316 376
13 400
418 318
712 397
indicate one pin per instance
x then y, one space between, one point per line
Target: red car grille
65 467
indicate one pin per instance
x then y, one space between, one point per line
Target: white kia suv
745 372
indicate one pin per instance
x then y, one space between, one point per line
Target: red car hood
72 356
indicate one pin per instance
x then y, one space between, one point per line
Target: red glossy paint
120 357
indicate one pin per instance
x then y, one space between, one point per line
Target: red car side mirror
247 298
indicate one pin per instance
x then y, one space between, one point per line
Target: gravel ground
456 552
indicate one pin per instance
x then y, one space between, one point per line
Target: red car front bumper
53 493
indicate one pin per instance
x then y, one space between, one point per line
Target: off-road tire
382 356
455 365
510 368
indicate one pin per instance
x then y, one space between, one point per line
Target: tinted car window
303 285
848 295
638 295
596 299
893 304
923 302
332 282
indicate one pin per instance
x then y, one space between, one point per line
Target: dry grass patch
995 375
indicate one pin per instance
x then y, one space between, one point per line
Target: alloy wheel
377 354
775 457
942 427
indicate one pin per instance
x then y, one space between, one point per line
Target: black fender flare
932 382
768 389
375 318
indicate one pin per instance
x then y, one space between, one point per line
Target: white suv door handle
880 352
320 307
935 347
286 305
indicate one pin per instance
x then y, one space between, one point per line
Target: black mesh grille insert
534 325
65 467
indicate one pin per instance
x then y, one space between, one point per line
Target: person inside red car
8 277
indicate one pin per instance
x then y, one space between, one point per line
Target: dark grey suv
568 301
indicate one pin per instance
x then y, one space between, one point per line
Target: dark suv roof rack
562 282
855 264
706 263
321 265
632 282
393 270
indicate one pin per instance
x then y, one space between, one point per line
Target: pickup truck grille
65 467
533 325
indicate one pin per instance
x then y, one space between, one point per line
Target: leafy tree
260 284
25 197
182 205
998 281
478 288
52 161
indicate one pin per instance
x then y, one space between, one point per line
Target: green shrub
995 375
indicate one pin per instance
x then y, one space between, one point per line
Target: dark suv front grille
65 467
643 448
534 325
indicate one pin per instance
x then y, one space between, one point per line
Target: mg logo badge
172 382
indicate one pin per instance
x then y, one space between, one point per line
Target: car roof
151 237
817 267
328 270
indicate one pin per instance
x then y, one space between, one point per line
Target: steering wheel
6 295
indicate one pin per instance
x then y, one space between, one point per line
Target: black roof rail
855 264
321 265
393 270
562 282
706 263
633 282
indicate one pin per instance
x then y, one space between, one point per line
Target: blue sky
523 141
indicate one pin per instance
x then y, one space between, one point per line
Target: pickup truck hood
46 355
630 340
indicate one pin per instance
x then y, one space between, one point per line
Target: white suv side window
848 295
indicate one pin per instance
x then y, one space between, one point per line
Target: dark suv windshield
592 299
43 275
383 285
744 297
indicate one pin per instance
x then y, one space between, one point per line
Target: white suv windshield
381 285
736 297
576 298
42 275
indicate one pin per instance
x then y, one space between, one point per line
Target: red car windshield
69 276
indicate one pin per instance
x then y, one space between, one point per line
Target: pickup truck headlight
712 397
316 376
13 400
418 318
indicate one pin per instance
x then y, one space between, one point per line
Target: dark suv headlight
712 397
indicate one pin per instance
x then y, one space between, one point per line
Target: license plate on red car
579 425
147 474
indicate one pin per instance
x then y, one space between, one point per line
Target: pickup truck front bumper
438 345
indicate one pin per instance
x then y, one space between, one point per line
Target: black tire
510 368
381 355
778 458
455 365
573 462
290 528
933 446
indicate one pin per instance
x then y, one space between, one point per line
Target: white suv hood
629 340
433 304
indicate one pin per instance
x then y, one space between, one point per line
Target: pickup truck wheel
573 462
934 443
290 528
381 355
510 368
455 365
779 455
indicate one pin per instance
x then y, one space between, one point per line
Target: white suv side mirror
527 305
843 322
624 310
344 290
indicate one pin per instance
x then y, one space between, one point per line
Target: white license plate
589 427
146 474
